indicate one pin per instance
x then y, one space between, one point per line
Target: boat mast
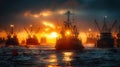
68 22
105 28
12 29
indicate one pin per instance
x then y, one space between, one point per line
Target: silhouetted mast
12 29
105 28
68 22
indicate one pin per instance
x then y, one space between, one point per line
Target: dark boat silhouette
2 40
32 39
106 39
12 38
43 40
69 37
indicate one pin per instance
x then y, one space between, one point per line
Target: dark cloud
12 10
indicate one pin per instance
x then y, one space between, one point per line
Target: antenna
68 15
68 22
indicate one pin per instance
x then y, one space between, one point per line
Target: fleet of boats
68 39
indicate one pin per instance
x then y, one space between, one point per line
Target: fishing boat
106 39
12 39
69 37
32 40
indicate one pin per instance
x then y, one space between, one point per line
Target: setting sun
54 34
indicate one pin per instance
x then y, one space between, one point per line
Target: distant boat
12 39
69 37
91 38
32 39
106 39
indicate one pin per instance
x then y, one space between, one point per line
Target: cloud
23 11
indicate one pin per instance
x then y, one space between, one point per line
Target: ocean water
90 57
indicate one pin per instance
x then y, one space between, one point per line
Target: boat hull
106 41
68 44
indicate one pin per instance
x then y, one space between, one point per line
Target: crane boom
27 31
97 26
114 23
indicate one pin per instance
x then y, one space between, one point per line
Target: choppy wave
92 57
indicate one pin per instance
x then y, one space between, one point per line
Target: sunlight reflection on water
87 58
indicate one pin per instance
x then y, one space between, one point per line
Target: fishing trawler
69 37
12 38
32 39
106 39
